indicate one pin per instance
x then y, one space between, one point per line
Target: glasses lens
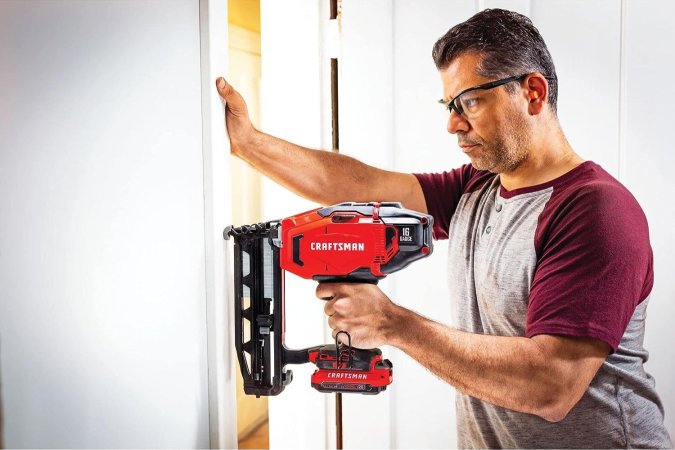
470 104
456 105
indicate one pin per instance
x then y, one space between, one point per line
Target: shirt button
498 207
488 229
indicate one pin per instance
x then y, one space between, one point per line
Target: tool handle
345 280
361 278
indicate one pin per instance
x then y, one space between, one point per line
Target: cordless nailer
348 242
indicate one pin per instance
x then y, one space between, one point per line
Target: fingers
326 291
323 291
339 306
225 90
338 313
332 293
335 319
341 311
329 308
235 102
239 127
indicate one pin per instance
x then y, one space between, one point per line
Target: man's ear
536 90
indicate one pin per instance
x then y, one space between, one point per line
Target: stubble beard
507 151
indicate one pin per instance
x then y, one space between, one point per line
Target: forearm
327 177
511 372
322 176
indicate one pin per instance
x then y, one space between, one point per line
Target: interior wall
105 276
645 157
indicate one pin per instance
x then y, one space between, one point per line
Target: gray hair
507 43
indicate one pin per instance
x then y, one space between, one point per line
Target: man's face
495 135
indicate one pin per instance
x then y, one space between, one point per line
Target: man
550 261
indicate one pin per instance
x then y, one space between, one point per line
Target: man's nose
457 122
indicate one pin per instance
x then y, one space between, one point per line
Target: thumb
235 103
225 89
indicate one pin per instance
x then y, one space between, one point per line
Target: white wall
612 58
646 155
105 273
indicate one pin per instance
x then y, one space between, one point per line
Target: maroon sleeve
594 264
442 192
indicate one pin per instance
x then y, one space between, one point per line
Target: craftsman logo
347 376
338 246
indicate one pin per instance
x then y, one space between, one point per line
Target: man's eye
470 103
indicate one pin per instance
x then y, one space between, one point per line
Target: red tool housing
353 242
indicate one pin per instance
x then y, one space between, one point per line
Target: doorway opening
244 73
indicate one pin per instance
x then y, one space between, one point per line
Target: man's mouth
468 148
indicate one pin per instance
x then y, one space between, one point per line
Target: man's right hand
239 126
